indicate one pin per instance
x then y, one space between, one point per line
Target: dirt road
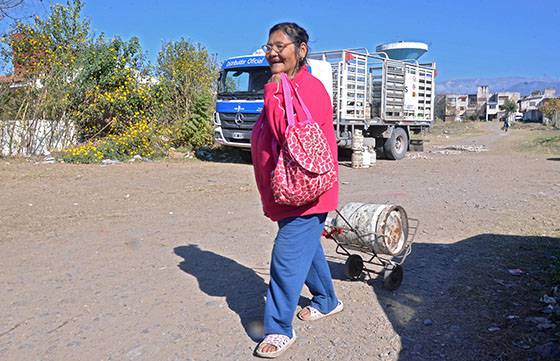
169 260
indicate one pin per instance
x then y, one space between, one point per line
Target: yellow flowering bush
114 88
106 87
143 138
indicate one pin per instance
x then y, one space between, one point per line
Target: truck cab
241 92
240 99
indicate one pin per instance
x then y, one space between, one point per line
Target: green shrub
196 130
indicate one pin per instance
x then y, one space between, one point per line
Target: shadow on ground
239 156
244 290
457 301
556 159
224 155
460 301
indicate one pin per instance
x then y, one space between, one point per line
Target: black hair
296 33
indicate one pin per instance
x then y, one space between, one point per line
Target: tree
550 107
187 74
112 88
509 107
44 54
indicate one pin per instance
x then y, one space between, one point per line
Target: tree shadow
554 158
219 276
470 300
224 155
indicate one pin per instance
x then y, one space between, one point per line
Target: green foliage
550 107
44 54
113 88
49 45
187 75
509 107
105 86
196 130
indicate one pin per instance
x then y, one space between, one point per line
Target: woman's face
283 57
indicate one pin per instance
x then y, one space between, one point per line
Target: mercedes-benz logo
239 118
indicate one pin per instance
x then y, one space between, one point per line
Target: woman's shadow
220 276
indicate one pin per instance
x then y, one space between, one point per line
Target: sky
467 39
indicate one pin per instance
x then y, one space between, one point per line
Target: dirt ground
169 260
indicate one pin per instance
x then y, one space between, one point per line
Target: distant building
530 105
480 106
495 105
455 107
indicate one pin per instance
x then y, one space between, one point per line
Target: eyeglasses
276 47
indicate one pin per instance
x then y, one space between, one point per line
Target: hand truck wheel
393 276
354 266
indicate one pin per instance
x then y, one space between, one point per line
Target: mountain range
523 85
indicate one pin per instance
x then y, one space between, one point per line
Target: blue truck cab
240 99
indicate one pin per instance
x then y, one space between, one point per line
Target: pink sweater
272 125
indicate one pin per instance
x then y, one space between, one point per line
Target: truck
387 96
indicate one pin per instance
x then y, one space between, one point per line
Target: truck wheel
396 146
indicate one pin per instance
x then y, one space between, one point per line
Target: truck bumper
221 139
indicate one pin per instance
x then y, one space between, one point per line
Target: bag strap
288 100
289 107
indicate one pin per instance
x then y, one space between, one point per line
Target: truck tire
396 146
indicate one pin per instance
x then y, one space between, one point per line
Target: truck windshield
243 81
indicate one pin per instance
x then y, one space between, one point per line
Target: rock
174 154
136 158
135 352
110 161
493 329
548 300
549 309
48 160
428 322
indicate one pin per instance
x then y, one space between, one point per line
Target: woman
297 255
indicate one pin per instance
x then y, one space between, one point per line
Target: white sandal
281 342
315 314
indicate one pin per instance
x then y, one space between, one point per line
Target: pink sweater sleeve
274 111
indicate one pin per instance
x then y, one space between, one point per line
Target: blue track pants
297 258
